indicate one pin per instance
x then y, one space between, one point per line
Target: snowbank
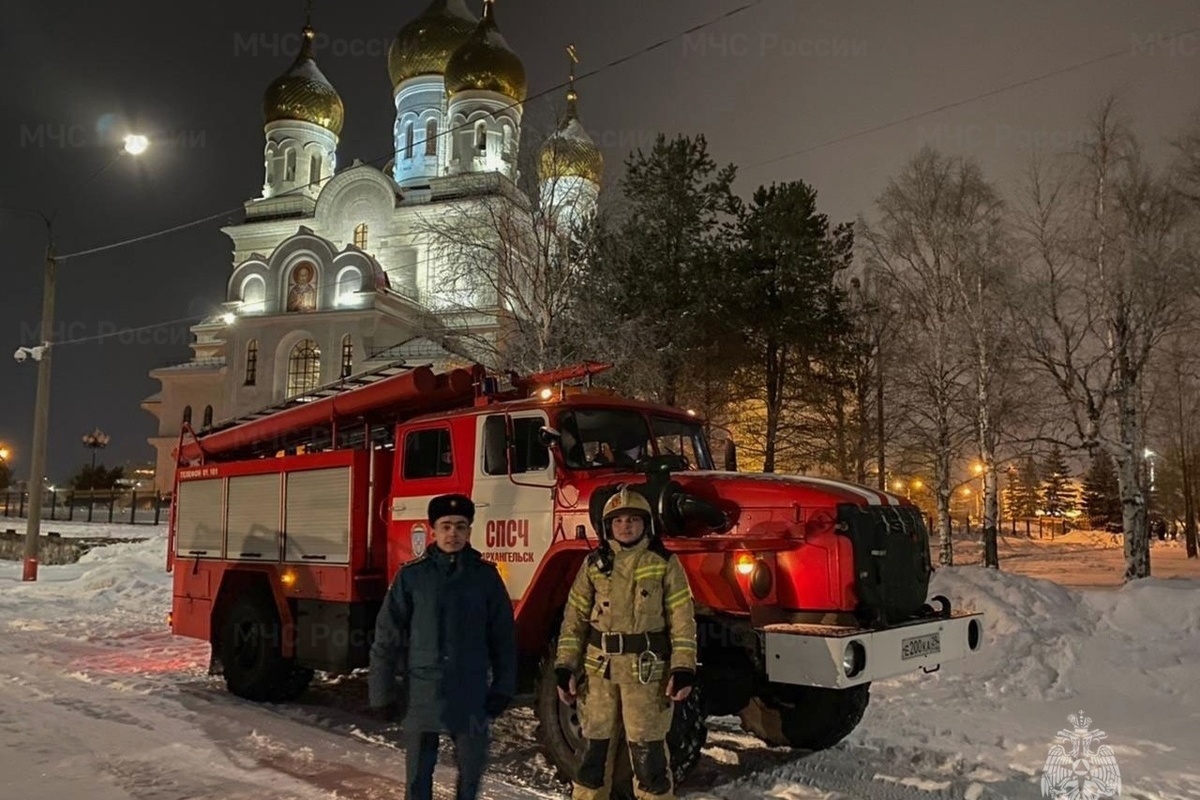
108 591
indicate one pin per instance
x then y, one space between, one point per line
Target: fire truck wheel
562 741
254 666
806 717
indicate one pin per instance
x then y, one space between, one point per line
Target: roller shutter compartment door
317 520
198 521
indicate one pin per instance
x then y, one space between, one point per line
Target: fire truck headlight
744 564
854 659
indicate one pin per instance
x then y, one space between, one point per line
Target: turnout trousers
643 712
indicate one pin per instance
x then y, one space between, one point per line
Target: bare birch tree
510 266
921 242
1110 271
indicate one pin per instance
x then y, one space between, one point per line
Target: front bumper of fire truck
840 657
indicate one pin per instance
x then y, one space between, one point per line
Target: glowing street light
136 144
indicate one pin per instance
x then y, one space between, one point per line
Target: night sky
784 76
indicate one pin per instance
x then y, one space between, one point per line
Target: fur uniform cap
451 505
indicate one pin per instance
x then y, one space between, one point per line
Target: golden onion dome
423 46
303 93
570 151
486 63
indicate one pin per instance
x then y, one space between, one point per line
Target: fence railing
132 508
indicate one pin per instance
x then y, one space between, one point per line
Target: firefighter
446 623
626 650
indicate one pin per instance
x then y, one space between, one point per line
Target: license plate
919 646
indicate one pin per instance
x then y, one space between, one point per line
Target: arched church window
408 141
252 362
254 294
360 236
314 170
349 283
508 144
208 416
347 356
481 137
302 288
289 168
187 415
304 368
431 135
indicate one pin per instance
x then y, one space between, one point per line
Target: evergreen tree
5 474
654 292
785 262
1027 493
1101 493
1057 497
96 478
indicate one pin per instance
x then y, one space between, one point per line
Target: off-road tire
561 741
251 656
806 717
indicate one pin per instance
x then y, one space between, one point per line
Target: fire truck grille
891 559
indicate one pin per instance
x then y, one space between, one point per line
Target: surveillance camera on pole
35 353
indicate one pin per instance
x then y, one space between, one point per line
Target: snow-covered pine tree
1057 496
1027 492
1101 492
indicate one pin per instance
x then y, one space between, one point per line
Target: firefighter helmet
626 500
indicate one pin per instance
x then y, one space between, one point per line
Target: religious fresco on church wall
302 287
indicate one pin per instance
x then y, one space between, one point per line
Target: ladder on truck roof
340 386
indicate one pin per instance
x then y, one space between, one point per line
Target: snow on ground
98 700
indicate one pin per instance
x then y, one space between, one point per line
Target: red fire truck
289 524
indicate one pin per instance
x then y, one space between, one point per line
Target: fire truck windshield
608 437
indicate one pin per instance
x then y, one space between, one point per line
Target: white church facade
333 271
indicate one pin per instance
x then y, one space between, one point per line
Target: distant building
331 275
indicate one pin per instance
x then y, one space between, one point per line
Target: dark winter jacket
446 622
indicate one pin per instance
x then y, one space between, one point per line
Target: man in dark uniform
446 622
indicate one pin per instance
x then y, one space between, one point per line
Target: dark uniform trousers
421 751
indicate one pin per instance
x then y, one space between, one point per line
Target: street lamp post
96 440
133 145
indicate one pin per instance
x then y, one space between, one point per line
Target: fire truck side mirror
730 456
549 437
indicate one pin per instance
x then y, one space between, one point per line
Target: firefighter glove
564 676
683 678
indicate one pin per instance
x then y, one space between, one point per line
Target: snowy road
97 700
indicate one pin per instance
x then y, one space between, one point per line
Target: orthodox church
332 272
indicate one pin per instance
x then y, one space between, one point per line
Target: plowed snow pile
1129 659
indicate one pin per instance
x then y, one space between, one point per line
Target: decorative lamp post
96 440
